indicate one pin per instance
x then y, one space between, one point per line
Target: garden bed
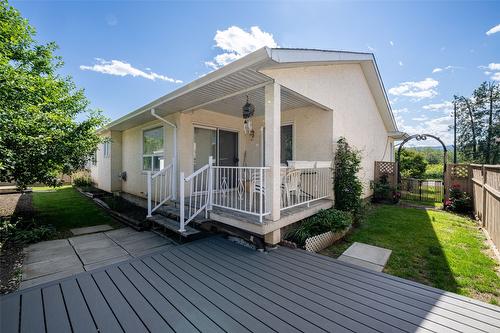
125 211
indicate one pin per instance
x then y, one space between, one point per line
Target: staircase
167 217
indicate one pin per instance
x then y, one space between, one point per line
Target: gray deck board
213 285
377 306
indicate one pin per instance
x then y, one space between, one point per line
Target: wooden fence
485 184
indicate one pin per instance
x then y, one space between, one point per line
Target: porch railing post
261 175
149 194
210 182
181 204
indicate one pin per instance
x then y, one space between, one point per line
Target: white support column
272 93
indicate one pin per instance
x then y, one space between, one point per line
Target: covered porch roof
225 89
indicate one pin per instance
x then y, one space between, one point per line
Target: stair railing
159 188
199 194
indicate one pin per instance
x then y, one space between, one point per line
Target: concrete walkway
367 256
52 260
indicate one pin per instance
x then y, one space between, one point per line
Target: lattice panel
387 168
324 240
459 171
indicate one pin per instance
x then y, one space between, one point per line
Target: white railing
159 188
198 196
300 186
240 189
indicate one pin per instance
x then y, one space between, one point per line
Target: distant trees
478 124
412 164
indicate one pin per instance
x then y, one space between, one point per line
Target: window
152 149
286 143
106 147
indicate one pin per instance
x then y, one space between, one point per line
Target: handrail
199 195
160 187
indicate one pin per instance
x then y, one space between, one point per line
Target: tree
478 124
40 136
347 186
412 164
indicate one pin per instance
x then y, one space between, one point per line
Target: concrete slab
373 254
87 239
153 250
128 234
51 253
90 230
50 266
51 277
144 244
94 255
42 246
106 262
362 263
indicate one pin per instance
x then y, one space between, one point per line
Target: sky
125 54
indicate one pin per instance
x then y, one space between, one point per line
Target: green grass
65 208
48 188
430 204
436 248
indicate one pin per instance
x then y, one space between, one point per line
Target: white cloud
417 90
371 49
421 118
111 20
444 107
391 42
236 43
400 63
449 67
492 69
435 126
121 68
493 30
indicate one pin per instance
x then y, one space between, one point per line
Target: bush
82 181
434 171
346 184
459 202
25 231
326 220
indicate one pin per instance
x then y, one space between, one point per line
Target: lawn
65 208
436 248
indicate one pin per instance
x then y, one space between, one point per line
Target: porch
230 166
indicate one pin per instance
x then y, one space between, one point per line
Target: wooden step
173 212
173 226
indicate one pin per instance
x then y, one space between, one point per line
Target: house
251 143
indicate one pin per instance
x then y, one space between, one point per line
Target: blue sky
125 54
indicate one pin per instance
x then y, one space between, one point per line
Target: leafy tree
347 186
412 164
40 136
478 124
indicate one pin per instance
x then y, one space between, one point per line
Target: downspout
174 184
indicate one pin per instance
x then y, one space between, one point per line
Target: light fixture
248 112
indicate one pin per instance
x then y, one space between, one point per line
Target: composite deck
213 285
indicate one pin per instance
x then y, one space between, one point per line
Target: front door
228 148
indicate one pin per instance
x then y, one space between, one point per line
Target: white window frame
106 148
153 127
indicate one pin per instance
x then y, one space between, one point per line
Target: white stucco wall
105 174
355 115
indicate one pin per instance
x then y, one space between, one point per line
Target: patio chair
256 187
291 185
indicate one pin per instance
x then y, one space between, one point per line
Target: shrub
346 184
82 181
25 231
326 220
383 191
459 202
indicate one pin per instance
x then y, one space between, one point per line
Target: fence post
484 194
181 205
149 194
